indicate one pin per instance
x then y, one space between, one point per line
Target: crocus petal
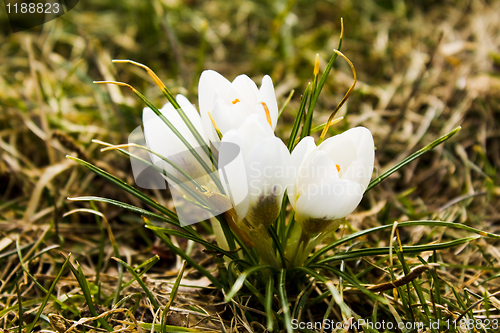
225 117
299 154
192 114
160 139
210 83
316 171
333 201
232 172
268 96
246 88
341 150
267 180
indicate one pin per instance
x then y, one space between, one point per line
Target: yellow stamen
338 167
215 126
268 114
236 101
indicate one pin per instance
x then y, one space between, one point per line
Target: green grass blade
269 303
20 303
278 245
407 249
173 294
348 238
242 278
199 240
48 295
184 256
298 118
123 185
352 281
284 301
148 293
423 302
286 103
336 295
82 281
137 210
411 158
145 266
324 76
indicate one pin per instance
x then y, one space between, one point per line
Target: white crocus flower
331 178
256 180
228 104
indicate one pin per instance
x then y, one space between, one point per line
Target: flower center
338 167
235 101
268 114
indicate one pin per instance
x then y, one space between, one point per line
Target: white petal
360 171
299 154
316 171
192 114
254 129
335 200
224 116
341 150
354 151
268 96
246 88
232 173
210 83
163 141
267 176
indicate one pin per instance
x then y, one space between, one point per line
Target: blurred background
423 68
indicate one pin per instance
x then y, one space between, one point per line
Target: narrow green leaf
284 301
352 281
48 295
184 256
407 249
324 76
20 313
278 245
82 281
269 303
145 266
173 294
242 278
355 235
123 185
411 158
148 293
199 240
298 118
286 103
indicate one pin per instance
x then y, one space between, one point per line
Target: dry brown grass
421 73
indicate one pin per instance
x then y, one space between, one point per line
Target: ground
422 70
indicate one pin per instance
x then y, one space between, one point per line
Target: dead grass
421 71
